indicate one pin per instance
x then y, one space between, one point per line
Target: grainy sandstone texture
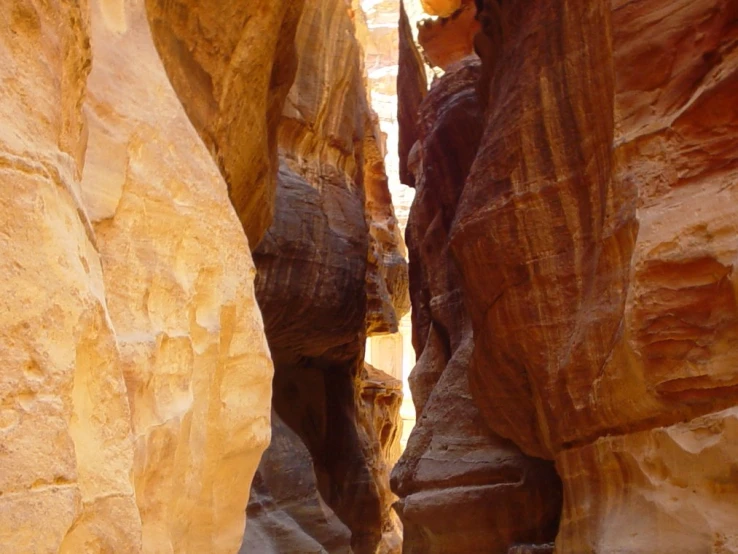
232 65
66 444
136 376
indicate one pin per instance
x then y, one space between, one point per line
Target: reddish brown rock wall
412 87
462 488
595 244
597 258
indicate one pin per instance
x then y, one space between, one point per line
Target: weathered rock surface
670 489
67 451
447 40
130 338
330 268
595 237
379 419
412 86
463 488
232 65
196 365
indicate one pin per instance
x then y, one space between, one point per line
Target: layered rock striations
462 487
136 384
594 247
330 269
594 238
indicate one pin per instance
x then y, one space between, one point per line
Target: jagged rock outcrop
441 8
330 269
446 40
387 278
379 419
463 488
596 242
131 341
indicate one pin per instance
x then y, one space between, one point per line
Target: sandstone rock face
67 450
130 338
285 512
218 55
330 269
596 244
196 367
379 419
412 86
463 487
449 39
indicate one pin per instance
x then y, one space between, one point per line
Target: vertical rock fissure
331 271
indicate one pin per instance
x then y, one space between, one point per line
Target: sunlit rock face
65 476
330 270
595 239
131 341
232 65
446 40
379 419
462 487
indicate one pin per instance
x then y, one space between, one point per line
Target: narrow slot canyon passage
368 277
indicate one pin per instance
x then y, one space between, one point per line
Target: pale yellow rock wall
135 382
65 475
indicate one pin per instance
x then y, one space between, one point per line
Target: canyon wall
330 271
594 242
463 487
136 380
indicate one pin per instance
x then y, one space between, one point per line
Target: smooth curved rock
67 451
412 86
179 289
546 291
599 334
286 513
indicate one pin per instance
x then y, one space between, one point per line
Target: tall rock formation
595 240
67 448
135 391
463 487
330 269
595 246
